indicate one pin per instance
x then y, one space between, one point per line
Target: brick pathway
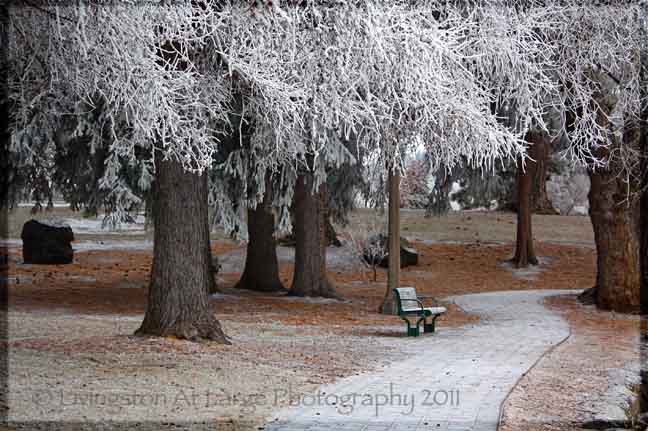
454 380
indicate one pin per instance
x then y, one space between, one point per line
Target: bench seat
429 311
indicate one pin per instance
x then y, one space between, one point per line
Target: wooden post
393 275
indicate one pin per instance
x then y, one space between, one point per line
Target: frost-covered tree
234 188
590 55
142 63
414 187
310 75
598 49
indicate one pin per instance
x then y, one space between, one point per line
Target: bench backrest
406 299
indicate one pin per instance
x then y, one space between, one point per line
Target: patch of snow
219 295
111 317
477 210
82 278
10 243
16 280
54 222
95 225
337 258
456 188
56 204
81 246
529 273
610 406
316 300
579 210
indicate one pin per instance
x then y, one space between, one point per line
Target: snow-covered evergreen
463 81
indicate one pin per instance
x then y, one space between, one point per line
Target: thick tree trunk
180 277
310 234
388 305
261 271
615 220
524 251
643 223
643 285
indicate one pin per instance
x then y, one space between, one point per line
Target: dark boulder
408 254
47 242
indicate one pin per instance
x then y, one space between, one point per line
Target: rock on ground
47 242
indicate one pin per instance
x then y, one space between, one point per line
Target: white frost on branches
464 82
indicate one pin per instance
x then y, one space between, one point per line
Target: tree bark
393 274
643 284
310 277
261 272
331 236
540 203
212 269
615 220
616 228
526 176
177 298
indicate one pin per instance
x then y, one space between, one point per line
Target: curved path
455 379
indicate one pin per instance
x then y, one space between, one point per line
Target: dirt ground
71 325
578 382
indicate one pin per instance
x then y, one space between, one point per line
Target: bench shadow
383 333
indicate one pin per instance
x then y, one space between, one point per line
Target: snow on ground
531 272
80 246
56 204
337 258
95 226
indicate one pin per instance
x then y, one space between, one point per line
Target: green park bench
409 306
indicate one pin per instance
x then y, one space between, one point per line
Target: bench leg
412 331
430 327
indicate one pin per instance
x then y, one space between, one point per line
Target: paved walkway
454 380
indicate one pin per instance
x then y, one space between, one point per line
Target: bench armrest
420 304
429 297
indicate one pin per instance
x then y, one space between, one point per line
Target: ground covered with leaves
587 379
73 355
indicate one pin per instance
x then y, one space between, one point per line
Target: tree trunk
331 236
393 274
615 221
310 235
177 298
524 251
643 223
212 269
261 271
540 203
643 284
